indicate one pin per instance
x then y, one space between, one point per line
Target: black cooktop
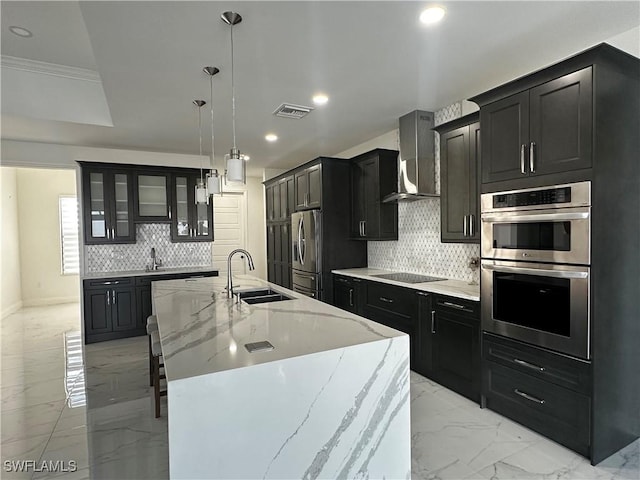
408 277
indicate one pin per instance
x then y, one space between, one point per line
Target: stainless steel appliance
536 266
306 235
545 224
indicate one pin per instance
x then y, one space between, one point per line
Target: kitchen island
331 400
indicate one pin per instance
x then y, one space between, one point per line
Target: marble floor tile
99 413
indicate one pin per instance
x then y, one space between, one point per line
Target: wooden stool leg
156 384
150 363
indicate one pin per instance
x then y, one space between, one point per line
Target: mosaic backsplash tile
418 248
118 258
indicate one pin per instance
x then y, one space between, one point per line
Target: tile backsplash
418 248
124 257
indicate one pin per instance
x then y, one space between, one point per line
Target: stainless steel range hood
416 161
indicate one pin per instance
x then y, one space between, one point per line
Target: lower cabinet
349 293
118 307
547 392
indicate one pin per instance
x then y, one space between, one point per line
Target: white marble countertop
203 332
454 288
161 271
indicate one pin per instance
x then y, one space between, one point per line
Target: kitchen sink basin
261 295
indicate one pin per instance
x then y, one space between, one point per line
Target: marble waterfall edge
342 413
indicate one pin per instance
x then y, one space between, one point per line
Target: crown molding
46 68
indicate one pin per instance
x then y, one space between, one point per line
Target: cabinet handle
433 321
528 365
423 294
455 305
357 280
522 153
529 397
351 297
110 283
364 228
532 163
465 233
471 224
386 300
113 296
108 297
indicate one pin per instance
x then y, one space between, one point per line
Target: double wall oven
536 260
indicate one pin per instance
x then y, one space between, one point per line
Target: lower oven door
542 304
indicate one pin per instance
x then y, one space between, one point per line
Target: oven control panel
533 197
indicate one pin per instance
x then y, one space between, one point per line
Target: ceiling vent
289 110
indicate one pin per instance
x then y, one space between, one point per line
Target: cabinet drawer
558 369
340 280
458 305
399 301
146 280
109 282
559 413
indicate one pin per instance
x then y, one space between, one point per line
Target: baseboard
11 309
42 302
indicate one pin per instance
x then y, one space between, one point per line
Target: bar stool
156 352
152 325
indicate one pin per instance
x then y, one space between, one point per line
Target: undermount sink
262 295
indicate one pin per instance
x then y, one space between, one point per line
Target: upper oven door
559 235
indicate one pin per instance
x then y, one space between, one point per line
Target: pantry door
229 225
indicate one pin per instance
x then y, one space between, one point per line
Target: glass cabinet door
202 220
122 215
181 221
152 196
98 225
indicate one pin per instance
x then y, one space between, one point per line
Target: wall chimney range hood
416 161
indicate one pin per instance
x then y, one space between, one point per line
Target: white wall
10 283
628 41
257 227
40 255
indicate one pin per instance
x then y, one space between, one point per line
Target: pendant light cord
213 156
233 93
200 134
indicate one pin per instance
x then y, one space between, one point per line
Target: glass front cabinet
152 197
190 222
108 206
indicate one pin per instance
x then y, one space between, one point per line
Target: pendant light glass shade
201 189
214 184
236 167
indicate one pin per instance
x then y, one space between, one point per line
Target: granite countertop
204 332
162 271
454 288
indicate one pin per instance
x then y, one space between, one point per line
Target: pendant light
201 190
235 161
214 184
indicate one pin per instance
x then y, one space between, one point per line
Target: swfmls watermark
53 466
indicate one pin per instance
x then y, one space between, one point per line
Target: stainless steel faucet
229 280
155 262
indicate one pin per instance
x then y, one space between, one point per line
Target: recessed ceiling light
320 99
271 137
20 31
432 15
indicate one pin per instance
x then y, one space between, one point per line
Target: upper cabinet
152 197
279 199
107 206
308 188
373 175
190 222
459 163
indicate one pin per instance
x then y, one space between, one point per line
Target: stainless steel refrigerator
306 239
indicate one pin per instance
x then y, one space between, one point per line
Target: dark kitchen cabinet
349 293
151 199
110 309
544 391
425 327
544 130
373 176
456 345
190 222
286 203
107 205
459 163
308 188
280 203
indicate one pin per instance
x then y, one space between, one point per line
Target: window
69 235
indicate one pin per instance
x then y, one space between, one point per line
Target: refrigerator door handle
300 241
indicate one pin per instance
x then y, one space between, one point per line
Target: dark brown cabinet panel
459 163
107 205
123 306
308 188
97 311
544 130
151 196
190 222
373 176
